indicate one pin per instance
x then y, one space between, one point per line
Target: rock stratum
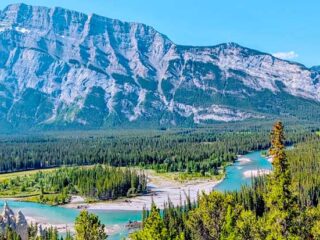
65 69
17 223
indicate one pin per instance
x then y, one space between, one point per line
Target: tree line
94 182
192 151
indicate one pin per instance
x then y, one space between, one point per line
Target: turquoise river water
118 219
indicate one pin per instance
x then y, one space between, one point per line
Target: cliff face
64 68
17 222
22 226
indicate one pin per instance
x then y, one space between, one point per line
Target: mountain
316 68
63 69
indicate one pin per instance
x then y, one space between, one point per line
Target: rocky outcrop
17 222
22 226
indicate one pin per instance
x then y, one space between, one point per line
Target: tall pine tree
279 198
280 182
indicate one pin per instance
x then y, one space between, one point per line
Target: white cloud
286 55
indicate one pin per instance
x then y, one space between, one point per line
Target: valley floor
161 189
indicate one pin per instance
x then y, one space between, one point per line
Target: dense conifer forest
283 205
194 151
93 182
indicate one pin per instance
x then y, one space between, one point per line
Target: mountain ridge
315 68
61 68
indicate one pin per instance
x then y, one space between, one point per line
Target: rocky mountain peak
64 68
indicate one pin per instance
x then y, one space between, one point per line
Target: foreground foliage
89 227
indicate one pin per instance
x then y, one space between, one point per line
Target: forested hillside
284 205
305 169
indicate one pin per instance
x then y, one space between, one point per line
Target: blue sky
290 28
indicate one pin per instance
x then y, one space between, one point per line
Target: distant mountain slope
60 68
316 68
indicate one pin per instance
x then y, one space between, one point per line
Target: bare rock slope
60 68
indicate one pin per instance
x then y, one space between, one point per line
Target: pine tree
247 227
280 181
89 227
68 236
208 220
153 228
279 198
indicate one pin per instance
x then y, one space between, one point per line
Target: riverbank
69 227
161 189
256 173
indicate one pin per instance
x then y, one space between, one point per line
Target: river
116 220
